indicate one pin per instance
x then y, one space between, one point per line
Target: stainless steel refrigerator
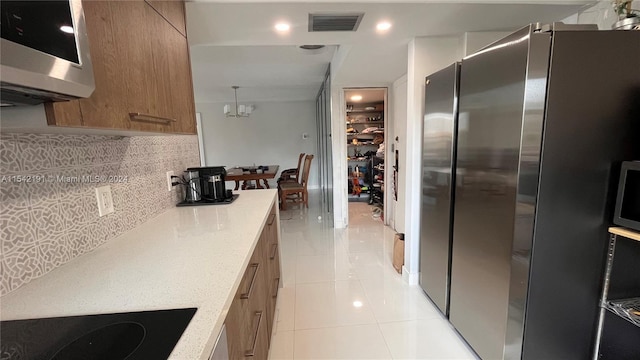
438 183
544 116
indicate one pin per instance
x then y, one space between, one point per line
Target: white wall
601 14
339 136
426 55
474 41
271 135
398 129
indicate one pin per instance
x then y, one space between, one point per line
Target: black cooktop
135 335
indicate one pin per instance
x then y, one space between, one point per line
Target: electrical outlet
169 175
105 201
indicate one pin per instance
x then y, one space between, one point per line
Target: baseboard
409 278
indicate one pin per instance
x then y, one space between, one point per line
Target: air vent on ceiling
334 22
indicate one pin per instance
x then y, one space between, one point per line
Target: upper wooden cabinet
141 66
173 11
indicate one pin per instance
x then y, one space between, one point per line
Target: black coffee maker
212 183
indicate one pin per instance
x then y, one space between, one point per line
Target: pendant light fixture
240 110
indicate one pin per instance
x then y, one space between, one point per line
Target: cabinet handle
246 295
274 252
150 118
275 291
252 351
272 218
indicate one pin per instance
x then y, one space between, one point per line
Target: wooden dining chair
291 175
296 192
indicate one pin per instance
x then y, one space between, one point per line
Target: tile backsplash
48 209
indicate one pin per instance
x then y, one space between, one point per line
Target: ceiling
264 73
234 43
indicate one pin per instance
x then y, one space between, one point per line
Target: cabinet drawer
250 285
273 254
273 260
251 317
237 324
258 344
247 332
271 304
274 257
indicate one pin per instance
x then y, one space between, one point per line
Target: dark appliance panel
45 26
628 201
591 125
131 336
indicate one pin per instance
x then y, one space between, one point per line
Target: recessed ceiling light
357 303
282 27
356 98
67 29
383 26
311 47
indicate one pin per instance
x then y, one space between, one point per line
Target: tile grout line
386 343
295 299
342 249
366 294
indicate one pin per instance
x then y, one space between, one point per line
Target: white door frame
200 139
343 149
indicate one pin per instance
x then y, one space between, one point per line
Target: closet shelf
628 309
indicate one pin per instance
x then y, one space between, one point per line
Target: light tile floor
342 299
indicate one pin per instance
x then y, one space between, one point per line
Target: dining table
246 174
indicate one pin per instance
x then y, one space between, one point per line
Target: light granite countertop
185 257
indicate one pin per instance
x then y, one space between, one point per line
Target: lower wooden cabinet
250 319
273 268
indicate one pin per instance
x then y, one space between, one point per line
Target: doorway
365 123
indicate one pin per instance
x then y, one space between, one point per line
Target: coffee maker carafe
192 186
215 185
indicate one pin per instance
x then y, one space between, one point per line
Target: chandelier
239 110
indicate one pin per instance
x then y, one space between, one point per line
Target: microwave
44 52
627 211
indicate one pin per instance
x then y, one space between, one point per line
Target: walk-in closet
365 127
